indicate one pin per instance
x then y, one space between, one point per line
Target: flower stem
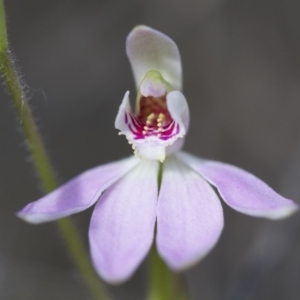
81 258
41 160
163 283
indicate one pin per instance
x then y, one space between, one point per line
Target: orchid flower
131 201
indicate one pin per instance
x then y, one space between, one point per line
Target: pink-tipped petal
241 190
77 194
149 49
189 216
122 225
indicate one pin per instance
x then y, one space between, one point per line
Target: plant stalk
42 163
163 283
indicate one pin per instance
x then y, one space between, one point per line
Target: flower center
153 119
154 114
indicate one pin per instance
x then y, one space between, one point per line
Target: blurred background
241 61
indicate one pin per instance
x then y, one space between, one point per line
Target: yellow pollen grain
151 116
144 132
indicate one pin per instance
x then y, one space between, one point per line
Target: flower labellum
186 209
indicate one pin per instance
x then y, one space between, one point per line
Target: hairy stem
41 161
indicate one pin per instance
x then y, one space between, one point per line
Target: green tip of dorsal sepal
157 79
3 33
156 76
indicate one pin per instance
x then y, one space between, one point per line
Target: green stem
163 283
81 258
16 90
42 163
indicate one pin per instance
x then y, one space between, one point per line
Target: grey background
241 61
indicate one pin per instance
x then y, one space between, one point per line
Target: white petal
121 121
179 111
149 49
189 216
241 190
122 225
77 194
